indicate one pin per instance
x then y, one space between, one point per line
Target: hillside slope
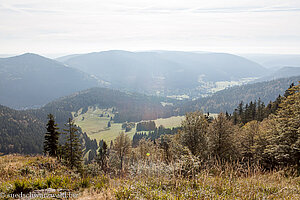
30 80
128 106
228 99
20 132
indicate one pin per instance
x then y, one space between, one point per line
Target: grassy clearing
110 133
94 122
170 122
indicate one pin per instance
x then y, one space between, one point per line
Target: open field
94 122
111 133
170 122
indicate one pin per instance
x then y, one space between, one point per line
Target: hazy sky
77 26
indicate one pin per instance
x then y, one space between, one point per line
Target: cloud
61 25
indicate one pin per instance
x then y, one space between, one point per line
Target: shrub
84 183
21 186
101 183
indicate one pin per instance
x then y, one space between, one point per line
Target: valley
95 123
149 100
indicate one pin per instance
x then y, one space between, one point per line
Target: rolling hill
165 72
228 99
128 106
30 80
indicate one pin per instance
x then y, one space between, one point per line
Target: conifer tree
51 137
286 140
73 153
288 92
248 140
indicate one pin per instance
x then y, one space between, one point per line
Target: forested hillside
30 80
20 132
229 99
23 131
127 106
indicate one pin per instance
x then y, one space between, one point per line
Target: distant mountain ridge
275 61
164 72
31 80
281 73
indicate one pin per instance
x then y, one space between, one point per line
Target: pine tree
288 92
73 153
51 137
260 110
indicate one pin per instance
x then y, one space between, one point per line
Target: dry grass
149 180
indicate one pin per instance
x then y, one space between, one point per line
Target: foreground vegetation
148 180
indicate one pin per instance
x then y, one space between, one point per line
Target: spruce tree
73 152
248 140
286 140
51 137
102 157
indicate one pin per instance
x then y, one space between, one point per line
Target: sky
60 27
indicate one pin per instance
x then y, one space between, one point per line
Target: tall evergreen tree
73 152
286 140
248 140
51 137
102 157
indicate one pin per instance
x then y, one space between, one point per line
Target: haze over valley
148 100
